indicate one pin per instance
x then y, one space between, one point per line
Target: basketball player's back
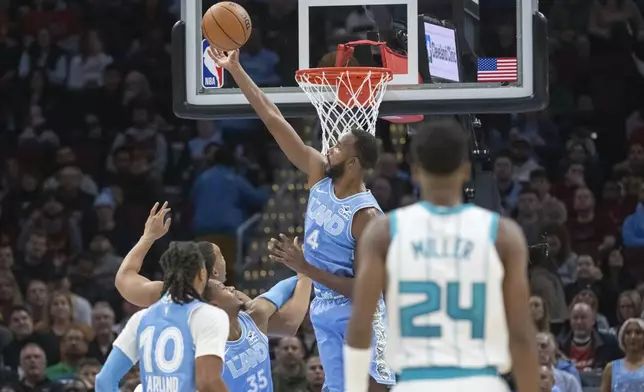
455 277
447 256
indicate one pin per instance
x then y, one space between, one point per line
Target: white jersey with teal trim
444 295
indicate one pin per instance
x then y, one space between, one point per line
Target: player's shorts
330 318
478 383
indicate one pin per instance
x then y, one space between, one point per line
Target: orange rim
357 74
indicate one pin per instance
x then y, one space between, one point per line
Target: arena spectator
573 178
588 277
587 296
37 299
545 283
398 180
633 229
73 349
540 313
508 187
87 371
42 53
103 331
289 369
235 196
260 62
314 374
59 318
540 184
616 280
547 380
629 306
618 374
35 263
382 191
586 347
521 150
21 325
10 295
33 363
560 252
565 381
86 69
528 215
588 231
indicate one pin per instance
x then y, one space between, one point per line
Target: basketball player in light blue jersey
180 340
142 292
339 208
247 361
456 284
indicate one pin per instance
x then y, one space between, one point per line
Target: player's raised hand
287 252
157 225
224 59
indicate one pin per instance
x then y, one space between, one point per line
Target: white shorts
469 384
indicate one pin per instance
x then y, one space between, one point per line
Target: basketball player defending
248 365
456 284
338 210
180 340
142 292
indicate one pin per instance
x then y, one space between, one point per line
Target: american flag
497 70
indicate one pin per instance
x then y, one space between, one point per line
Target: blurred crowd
88 143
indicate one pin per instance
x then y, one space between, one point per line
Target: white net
344 98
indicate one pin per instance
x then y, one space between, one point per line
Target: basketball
226 25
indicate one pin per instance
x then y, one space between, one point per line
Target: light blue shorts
330 318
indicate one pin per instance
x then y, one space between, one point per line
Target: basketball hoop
344 98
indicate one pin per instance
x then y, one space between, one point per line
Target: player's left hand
287 252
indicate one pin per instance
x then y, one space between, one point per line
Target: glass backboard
461 56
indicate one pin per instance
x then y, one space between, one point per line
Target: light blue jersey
166 347
330 246
248 361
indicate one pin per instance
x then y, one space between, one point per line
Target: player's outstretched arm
287 320
513 250
135 288
123 356
209 327
305 158
280 311
370 281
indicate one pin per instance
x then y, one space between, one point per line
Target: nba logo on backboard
428 42
212 75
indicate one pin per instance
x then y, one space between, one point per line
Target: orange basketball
226 25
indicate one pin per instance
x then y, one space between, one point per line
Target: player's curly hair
181 264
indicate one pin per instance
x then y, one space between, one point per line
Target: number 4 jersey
329 244
444 294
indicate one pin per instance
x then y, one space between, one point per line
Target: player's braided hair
181 264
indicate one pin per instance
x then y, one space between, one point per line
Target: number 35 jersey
444 295
247 367
328 242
